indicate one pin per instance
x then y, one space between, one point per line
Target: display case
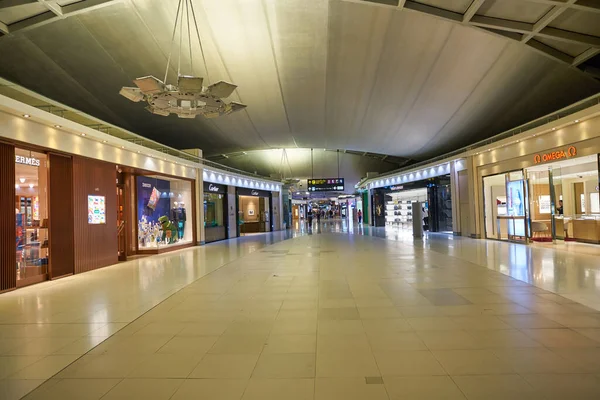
398 213
586 228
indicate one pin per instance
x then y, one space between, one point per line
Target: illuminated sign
555 155
34 162
325 185
96 210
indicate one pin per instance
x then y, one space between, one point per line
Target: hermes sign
27 161
555 155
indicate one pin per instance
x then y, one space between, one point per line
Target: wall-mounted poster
96 210
544 203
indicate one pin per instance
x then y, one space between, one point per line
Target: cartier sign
34 162
213 188
555 155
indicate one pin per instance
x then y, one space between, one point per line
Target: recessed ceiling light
104 141
22 180
31 186
57 126
139 151
122 147
26 115
83 134
17 186
576 120
553 129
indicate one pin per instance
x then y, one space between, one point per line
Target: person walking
318 217
359 214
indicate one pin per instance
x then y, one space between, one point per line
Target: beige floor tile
8 344
505 338
9 365
296 314
421 311
301 326
291 344
204 329
346 364
484 323
299 305
378 312
538 360
422 388
442 340
533 321
337 303
166 366
80 346
80 389
340 327
249 328
45 368
275 389
41 346
586 358
348 389
161 329
239 344
433 324
593 334
147 389
328 314
132 344
15 389
225 366
102 366
213 389
496 387
274 366
566 386
472 362
560 338
333 343
408 363
396 341
188 345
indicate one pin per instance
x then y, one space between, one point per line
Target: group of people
318 214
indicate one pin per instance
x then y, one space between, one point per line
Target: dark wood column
8 255
60 202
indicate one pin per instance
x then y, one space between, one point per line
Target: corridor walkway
338 312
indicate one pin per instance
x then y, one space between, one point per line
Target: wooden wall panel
8 255
60 224
96 246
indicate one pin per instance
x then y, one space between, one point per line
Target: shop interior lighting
57 126
105 141
26 115
31 185
83 134
576 120
22 180
553 129
17 186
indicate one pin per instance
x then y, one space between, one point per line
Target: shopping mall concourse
299 199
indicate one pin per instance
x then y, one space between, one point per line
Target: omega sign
27 161
555 155
212 188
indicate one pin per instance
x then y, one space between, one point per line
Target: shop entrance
564 200
254 211
398 208
31 209
505 210
215 212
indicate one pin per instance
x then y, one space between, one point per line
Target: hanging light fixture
189 97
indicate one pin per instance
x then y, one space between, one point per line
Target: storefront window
31 208
215 212
164 212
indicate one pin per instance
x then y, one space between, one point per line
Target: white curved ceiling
405 80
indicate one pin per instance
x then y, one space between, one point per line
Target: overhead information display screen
325 185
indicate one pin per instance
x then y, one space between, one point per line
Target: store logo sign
555 155
254 193
34 162
212 188
146 185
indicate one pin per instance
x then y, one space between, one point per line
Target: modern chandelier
189 97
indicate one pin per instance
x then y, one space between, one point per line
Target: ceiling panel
516 10
322 73
578 21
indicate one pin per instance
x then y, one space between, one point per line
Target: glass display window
31 209
215 212
164 212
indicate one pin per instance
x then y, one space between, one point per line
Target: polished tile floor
336 312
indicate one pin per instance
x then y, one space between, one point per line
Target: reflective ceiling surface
411 79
